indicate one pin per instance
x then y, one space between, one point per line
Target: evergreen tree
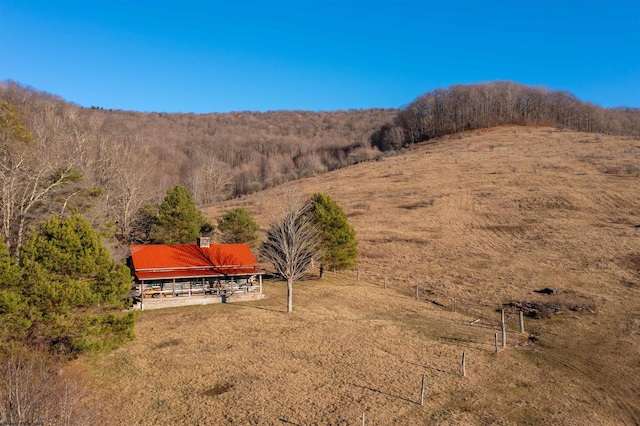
74 290
13 305
71 249
178 220
237 226
337 237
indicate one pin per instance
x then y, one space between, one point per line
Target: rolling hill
482 220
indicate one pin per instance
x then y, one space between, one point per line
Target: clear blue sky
237 55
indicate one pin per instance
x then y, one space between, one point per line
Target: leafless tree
126 183
468 107
291 246
36 390
34 166
210 181
311 164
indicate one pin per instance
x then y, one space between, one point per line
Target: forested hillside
220 155
58 157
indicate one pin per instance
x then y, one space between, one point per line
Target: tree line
468 107
58 157
114 167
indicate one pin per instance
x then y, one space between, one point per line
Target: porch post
260 277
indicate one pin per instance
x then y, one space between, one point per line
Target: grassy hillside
482 218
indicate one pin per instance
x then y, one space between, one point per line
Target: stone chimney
204 242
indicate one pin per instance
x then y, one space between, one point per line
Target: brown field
483 218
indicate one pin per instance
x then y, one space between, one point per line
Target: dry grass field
484 218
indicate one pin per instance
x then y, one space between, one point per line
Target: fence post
464 372
417 292
504 337
504 332
521 322
422 391
496 342
385 281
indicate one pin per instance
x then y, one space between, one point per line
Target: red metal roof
161 261
228 255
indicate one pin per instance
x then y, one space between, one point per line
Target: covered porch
222 284
210 273
175 287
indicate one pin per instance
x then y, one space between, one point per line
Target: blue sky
220 56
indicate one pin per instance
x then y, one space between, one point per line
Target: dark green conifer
74 290
237 226
337 237
178 220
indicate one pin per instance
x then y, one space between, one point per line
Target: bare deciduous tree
128 187
34 165
468 107
291 246
311 164
36 390
210 181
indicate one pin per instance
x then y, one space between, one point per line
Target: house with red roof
196 270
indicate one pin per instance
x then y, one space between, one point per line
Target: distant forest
469 107
58 157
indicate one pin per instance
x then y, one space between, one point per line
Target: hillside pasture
484 220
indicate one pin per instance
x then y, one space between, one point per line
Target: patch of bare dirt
218 389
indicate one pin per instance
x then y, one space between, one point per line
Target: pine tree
14 324
337 237
74 289
237 226
178 220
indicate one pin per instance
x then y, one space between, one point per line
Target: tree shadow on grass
384 393
417 364
469 344
263 308
289 423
